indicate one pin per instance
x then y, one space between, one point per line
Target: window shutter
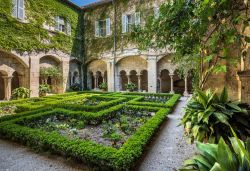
108 31
68 28
57 23
124 23
97 30
14 12
157 12
137 18
21 9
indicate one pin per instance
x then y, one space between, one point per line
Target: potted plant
44 89
130 87
20 93
103 86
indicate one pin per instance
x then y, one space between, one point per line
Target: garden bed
108 134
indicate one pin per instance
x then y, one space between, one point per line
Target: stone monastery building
90 45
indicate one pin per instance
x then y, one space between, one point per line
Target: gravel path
169 148
15 157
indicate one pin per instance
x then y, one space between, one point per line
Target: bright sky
83 2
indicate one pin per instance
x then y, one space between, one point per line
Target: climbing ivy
95 46
30 35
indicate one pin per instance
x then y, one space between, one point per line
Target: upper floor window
102 28
156 12
62 25
18 9
129 21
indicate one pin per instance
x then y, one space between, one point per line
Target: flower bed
111 134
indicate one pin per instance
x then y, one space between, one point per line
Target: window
156 12
102 28
62 26
129 21
18 9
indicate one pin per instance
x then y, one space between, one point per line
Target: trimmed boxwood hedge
96 155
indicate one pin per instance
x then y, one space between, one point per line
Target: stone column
152 74
96 81
172 83
139 82
111 75
34 76
7 87
65 73
119 77
129 79
186 86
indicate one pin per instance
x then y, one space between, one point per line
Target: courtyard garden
103 130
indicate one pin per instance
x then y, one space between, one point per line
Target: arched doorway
144 80
179 83
123 80
134 78
99 78
15 81
2 86
165 81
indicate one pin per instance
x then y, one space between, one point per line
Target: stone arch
133 78
123 80
75 72
49 61
136 63
179 83
96 69
166 63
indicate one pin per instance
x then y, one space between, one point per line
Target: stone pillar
111 75
129 79
7 87
172 83
34 76
65 74
243 85
186 86
119 77
96 81
152 74
139 82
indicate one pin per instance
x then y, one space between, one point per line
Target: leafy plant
221 157
130 87
209 115
43 89
103 86
75 87
53 72
20 93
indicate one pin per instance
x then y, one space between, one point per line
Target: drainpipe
115 43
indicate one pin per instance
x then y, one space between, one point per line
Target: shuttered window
129 21
102 28
18 9
62 25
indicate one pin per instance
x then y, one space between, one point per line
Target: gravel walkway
15 157
169 148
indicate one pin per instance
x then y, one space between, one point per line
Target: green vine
16 35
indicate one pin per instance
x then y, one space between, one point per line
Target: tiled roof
95 4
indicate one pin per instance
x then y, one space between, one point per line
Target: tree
204 29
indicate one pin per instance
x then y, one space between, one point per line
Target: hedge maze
107 131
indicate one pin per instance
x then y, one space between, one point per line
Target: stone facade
111 57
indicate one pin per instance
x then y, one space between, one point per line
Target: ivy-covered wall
95 46
30 35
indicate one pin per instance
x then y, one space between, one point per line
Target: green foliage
53 72
75 87
43 89
220 157
130 87
20 93
30 36
204 29
209 116
103 86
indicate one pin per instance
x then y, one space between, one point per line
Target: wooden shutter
68 27
137 18
124 23
14 11
57 23
21 9
97 30
108 31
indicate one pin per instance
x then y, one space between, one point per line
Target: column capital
152 58
7 77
